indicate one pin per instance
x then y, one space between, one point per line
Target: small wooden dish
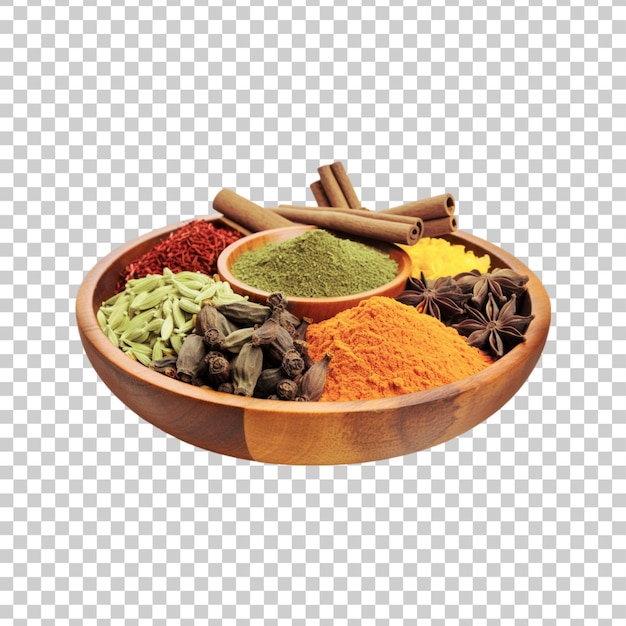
301 433
317 309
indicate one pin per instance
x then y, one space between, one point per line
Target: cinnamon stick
319 194
331 187
247 213
440 226
428 209
341 176
356 225
375 215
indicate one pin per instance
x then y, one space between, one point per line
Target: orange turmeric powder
382 348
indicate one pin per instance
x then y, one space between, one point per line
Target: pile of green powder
315 264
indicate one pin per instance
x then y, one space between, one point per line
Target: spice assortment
249 349
315 264
456 316
151 316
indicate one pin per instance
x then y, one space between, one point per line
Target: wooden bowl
317 309
301 433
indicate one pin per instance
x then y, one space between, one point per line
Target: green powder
315 264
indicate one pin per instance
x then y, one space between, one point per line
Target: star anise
498 329
441 298
502 283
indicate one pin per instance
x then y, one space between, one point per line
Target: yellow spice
436 257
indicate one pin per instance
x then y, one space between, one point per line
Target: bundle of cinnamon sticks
339 209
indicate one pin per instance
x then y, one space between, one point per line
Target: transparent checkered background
119 118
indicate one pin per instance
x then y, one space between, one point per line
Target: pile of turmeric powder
383 348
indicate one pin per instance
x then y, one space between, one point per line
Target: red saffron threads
194 247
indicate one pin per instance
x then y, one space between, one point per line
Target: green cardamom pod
147 283
184 290
167 328
167 307
102 319
113 300
157 350
143 358
112 336
139 320
154 326
191 280
176 341
177 313
135 333
119 314
137 347
206 293
189 306
150 299
187 327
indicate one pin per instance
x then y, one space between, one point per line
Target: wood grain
307 433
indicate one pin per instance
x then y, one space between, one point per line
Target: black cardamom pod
246 368
287 389
227 387
276 300
266 384
311 383
214 339
237 339
218 369
277 348
267 331
302 328
292 363
166 365
244 312
209 317
190 365
303 348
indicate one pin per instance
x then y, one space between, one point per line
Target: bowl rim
404 266
90 331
